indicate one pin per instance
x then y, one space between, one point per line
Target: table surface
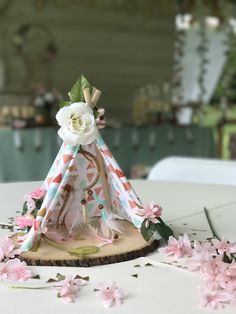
157 288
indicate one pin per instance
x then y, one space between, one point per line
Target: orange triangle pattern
67 158
98 190
90 176
107 152
119 173
57 179
127 186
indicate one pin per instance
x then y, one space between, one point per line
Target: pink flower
210 269
3 271
201 253
227 277
100 120
69 289
111 295
215 300
8 248
177 248
1 254
150 212
24 221
38 193
14 270
224 246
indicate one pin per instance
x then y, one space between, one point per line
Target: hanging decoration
19 39
35 45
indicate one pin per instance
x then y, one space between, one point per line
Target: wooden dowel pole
95 97
87 96
93 92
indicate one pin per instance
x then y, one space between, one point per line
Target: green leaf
63 103
38 203
147 233
76 93
95 112
25 208
84 250
148 264
50 280
227 259
86 278
60 277
36 277
164 231
79 256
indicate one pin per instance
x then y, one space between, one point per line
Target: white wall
191 61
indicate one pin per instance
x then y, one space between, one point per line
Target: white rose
78 125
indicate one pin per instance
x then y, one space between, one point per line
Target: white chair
195 170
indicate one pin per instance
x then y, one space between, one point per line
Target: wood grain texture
129 246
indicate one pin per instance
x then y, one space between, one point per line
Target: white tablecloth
158 289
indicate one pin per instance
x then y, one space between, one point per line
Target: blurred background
166 68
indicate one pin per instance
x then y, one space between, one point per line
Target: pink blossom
150 212
100 120
201 253
177 248
8 248
227 277
214 300
224 246
14 270
111 295
24 221
3 271
69 289
38 193
1 254
210 269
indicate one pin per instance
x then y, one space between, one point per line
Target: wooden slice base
127 247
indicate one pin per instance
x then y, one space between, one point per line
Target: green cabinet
27 154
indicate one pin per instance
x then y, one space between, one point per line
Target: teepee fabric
71 169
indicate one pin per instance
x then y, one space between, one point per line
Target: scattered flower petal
111 295
69 288
8 248
1 254
14 270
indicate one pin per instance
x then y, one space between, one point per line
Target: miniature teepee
86 192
